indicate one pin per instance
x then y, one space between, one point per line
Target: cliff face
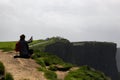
60 49
118 58
99 55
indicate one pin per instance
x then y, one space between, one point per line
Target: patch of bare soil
20 68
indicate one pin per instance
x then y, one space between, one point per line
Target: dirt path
20 68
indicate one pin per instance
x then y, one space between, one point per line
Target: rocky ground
20 68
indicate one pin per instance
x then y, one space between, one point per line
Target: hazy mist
76 20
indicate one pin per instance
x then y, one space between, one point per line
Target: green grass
86 73
8 76
10 45
7 46
52 60
62 67
2 69
41 47
53 40
50 63
50 75
36 41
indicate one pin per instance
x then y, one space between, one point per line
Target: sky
75 20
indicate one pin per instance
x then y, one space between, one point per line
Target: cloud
73 19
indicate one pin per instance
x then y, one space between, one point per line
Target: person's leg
24 55
30 52
17 55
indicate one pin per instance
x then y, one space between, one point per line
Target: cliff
118 58
99 55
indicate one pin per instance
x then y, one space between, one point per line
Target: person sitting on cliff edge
23 48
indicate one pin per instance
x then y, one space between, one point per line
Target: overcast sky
76 20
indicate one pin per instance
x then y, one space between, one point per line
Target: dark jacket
24 49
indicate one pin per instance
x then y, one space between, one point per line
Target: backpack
17 46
